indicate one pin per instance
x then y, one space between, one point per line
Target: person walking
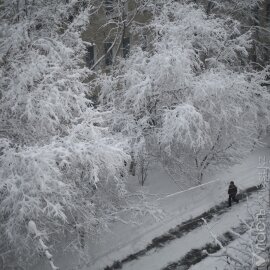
232 191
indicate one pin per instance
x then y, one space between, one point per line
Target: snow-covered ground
218 261
126 239
214 263
198 238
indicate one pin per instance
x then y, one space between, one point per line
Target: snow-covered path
175 250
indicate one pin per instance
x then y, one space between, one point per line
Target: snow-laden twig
32 229
224 251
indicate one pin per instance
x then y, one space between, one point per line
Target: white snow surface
124 239
176 249
215 263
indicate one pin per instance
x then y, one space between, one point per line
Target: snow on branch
61 166
224 251
32 228
192 97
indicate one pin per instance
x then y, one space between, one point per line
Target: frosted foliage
201 36
41 88
186 125
244 8
227 103
54 181
59 165
192 95
242 4
252 15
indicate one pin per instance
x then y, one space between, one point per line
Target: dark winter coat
232 191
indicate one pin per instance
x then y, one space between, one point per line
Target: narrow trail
164 251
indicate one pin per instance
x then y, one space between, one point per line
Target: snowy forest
127 164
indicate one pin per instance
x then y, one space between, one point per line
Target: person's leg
230 201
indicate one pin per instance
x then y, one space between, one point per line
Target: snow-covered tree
191 96
246 9
60 167
118 19
251 14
